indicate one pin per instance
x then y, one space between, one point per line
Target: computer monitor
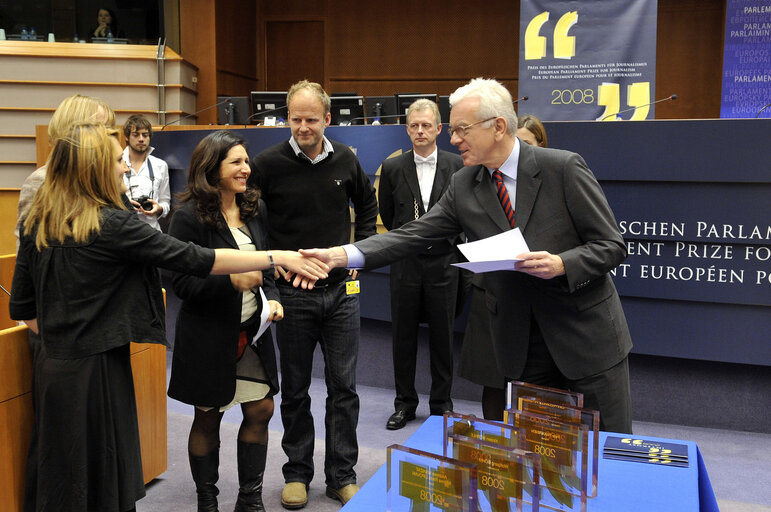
333 94
381 108
404 100
347 110
444 107
233 110
270 105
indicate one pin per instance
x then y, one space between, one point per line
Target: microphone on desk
6 291
378 110
523 98
668 98
227 100
230 112
270 111
762 109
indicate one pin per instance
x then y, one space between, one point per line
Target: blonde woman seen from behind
85 281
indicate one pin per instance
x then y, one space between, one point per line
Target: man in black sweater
308 184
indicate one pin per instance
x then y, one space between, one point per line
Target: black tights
205 432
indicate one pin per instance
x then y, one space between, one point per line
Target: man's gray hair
424 104
494 101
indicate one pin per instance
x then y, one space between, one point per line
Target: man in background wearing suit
558 320
423 285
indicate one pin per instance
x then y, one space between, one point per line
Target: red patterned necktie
503 196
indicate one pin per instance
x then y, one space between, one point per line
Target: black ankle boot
251 466
205 475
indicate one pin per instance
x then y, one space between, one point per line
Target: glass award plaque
563 450
515 390
507 478
478 428
576 416
420 481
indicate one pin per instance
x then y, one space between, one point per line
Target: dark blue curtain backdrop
587 60
691 197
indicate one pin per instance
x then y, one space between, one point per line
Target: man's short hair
494 101
424 104
137 122
314 88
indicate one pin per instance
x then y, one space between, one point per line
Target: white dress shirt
426 170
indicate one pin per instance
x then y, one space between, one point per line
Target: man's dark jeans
331 318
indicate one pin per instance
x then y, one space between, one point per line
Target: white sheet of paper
493 253
486 266
264 324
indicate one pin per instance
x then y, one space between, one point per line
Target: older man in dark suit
425 285
558 320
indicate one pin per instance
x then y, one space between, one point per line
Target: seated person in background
530 129
106 23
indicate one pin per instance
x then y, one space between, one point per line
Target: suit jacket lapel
410 173
528 184
255 231
441 179
225 234
484 192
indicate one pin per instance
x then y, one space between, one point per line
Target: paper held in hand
494 253
264 314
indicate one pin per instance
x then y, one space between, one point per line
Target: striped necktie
503 196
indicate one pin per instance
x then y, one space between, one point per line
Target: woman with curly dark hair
217 363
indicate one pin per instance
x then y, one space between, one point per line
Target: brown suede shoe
294 495
343 494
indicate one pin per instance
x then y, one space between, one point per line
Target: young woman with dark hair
217 361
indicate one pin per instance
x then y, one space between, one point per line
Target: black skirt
87 456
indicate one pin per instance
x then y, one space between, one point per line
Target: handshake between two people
541 264
310 265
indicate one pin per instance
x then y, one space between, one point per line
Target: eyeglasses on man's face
462 131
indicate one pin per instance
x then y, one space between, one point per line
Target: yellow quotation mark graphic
608 94
638 95
564 45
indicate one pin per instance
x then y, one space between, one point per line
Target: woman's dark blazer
203 369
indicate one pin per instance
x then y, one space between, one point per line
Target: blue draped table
621 485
